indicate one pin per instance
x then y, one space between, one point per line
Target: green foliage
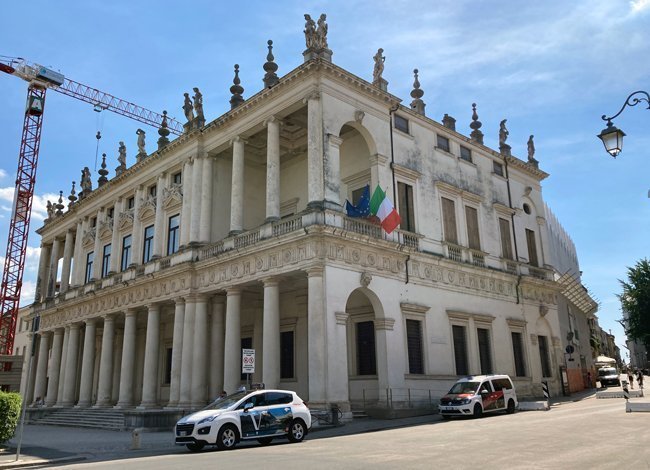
635 301
10 404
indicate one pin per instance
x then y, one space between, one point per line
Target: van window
485 387
500 384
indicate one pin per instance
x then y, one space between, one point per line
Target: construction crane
41 79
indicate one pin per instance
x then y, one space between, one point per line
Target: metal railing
401 398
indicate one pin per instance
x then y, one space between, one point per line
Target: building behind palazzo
234 235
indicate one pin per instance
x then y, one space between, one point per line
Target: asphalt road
592 433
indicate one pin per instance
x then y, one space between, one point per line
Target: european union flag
362 209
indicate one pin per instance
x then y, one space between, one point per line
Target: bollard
335 414
135 439
545 390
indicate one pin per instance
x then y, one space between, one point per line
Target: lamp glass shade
612 139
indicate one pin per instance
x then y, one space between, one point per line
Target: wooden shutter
405 206
532 248
366 358
471 216
518 351
506 240
286 355
414 343
460 350
484 350
449 220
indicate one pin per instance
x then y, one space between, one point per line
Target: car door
277 414
488 396
250 415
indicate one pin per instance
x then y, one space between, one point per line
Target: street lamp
611 136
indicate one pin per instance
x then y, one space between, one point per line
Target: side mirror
248 406
484 392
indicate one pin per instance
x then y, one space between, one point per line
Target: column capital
315 271
152 307
46 334
270 281
219 299
76 326
90 321
108 317
129 312
311 95
238 139
272 120
235 290
334 140
179 301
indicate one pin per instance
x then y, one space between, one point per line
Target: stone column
272 169
205 227
78 265
115 237
216 346
64 362
150 378
271 334
199 362
316 327
177 353
237 189
117 361
55 368
54 264
159 221
185 398
128 360
40 383
314 150
88 364
333 170
136 240
98 249
43 272
69 388
67 261
232 343
186 207
105 385
197 168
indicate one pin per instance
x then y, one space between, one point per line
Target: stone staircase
97 418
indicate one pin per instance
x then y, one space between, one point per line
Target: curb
24 463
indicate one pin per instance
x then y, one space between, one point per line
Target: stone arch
356 149
365 133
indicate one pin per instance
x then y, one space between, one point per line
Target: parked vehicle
609 376
475 395
262 415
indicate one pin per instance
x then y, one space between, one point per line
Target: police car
478 394
262 415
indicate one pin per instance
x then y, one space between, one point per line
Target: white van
478 394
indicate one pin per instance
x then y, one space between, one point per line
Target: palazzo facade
234 235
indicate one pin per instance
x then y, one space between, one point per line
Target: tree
635 301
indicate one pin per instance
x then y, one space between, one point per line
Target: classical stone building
234 235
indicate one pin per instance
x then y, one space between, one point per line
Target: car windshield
464 387
226 402
607 371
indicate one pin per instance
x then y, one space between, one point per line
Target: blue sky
551 68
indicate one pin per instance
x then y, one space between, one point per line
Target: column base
102 405
316 205
147 406
78 405
123 406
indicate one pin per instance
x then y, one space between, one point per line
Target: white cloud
39 203
27 293
3 174
638 6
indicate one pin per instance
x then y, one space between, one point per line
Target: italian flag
381 207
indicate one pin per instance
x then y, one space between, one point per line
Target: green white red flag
382 207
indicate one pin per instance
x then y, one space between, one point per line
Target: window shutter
405 206
460 349
485 354
449 220
506 240
471 215
532 248
414 342
366 361
518 351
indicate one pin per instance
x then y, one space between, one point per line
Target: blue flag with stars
362 209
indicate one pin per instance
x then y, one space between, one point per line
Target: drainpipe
512 216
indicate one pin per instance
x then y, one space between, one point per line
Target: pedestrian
630 377
639 378
589 385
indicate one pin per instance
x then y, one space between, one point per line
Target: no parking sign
247 361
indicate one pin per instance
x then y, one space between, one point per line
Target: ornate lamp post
611 136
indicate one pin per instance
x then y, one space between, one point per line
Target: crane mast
40 79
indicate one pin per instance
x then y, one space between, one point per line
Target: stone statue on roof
321 32
310 32
121 157
86 182
531 149
503 132
142 152
379 65
188 108
198 104
50 210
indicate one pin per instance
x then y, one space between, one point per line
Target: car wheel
265 441
227 437
297 430
196 446
478 411
511 407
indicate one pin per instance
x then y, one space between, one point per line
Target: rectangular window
406 209
366 362
110 212
473 238
152 190
497 168
90 258
460 349
147 248
484 350
246 343
130 203
506 239
465 153
93 222
168 366
286 355
177 178
401 123
356 195
414 343
106 260
518 353
443 143
449 220
172 234
126 253
543 356
532 248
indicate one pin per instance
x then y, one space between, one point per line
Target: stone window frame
485 322
397 117
88 273
358 315
461 198
357 181
471 321
504 212
289 325
167 344
409 177
169 231
459 319
495 165
442 137
417 312
470 154
519 326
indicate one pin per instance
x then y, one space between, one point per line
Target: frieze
89 237
105 227
125 219
172 196
538 294
147 207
